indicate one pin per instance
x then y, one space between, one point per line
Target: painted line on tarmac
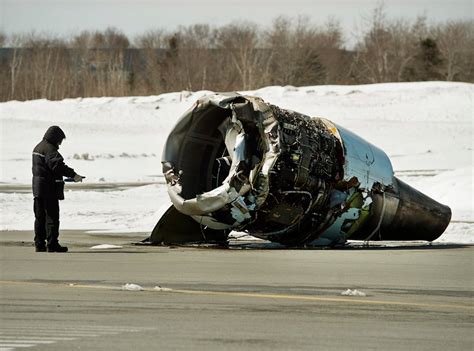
68 334
85 329
13 346
23 341
320 298
15 335
251 295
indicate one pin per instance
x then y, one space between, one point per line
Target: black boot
57 248
40 248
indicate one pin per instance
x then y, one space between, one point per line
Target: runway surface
416 298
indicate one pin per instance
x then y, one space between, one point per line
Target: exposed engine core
234 162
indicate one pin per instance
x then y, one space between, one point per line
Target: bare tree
372 51
456 42
386 48
280 42
196 58
186 58
151 46
302 53
3 39
238 56
101 63
240 42
15 63
152 39
46 56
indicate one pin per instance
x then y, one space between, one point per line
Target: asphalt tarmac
259 298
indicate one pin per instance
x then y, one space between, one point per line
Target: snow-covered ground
425 128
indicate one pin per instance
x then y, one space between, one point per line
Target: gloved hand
78 178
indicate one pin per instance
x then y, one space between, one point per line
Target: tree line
234 57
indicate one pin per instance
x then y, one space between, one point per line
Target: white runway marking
46 338
23 341
84 329
67 334
17 337
16 345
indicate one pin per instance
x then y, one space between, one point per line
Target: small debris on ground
132 287
354 292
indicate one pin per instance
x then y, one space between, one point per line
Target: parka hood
54 135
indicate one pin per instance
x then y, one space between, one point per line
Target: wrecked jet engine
235 162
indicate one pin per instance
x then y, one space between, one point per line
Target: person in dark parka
48 188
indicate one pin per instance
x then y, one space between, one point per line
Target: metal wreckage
237 163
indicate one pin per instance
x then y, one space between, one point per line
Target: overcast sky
133 17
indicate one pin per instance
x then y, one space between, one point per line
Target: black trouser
46 221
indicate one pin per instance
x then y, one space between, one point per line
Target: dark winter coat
48 166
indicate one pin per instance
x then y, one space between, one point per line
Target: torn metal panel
176 228
236 162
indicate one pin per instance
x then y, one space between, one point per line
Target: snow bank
131 210
426 129
106 247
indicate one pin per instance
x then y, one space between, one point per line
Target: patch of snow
132 287
106 247
354 292
425 128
